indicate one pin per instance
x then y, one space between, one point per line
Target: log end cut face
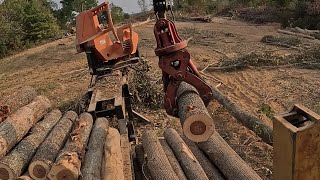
6 173
198 127
39 170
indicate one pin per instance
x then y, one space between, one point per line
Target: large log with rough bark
49 149
196 122
245 118
228 161
13 102
112 167
17 125
158 162
172 159
68 162
13 164
209 168
142 162
91 168
188 161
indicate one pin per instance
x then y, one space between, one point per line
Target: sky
128 6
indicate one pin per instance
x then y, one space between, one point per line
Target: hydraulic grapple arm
174 59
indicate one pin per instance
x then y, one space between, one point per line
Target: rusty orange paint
89 34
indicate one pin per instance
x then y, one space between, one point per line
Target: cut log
142 161
194 117
13 164
246 119
49 149
15 101
188 161
17 125
228 161
295 34
91 168
112 160
172 159
68 162
209 168
158 162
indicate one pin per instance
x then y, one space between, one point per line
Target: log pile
176 157
39 143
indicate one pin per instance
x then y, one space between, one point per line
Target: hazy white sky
129 6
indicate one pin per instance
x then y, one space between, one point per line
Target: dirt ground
55 70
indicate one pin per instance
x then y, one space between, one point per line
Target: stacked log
209 168
172 159
68 162
93 159
189 163
112 160
158 162
142 162
228 161
17 125
49 149
15 101
195 120
13 164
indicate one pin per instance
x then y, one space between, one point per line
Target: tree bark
68 162
158 163
188 161
17 125
248 120
15 101
91 168
172 159
228 161
112 167
13 164
194 117
209 168
49 149
142 161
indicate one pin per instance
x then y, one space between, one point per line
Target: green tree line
24 23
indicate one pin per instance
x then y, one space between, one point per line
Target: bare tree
143 5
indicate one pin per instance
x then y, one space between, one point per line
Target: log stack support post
297 145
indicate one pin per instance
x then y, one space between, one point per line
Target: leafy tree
117 14
39 22
70 8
